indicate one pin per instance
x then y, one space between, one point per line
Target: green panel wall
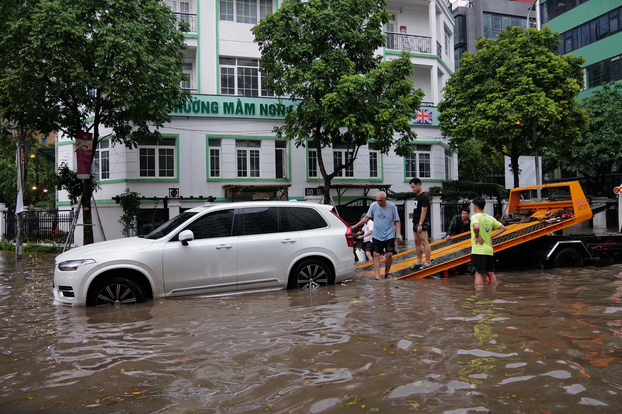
581 14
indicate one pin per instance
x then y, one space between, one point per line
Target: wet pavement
543 341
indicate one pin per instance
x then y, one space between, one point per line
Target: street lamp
537 14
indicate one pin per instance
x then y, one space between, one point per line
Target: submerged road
541 341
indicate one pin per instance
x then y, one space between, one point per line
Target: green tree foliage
321 53
8 165
68 180
88 64
600 145
130 203
478 163
512 86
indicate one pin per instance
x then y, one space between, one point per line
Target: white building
221 145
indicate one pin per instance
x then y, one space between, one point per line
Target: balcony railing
191 19
439 50
410 43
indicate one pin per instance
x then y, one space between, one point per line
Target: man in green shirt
482 226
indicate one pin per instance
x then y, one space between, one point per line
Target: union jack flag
424 116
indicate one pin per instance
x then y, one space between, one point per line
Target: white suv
212 250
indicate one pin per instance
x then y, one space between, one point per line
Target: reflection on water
541 341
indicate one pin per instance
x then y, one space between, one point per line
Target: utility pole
19 204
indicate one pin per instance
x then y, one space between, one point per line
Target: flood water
540 342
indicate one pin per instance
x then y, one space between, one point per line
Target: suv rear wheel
310 274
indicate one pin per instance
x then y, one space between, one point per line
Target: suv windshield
170 225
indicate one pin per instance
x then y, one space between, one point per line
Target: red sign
84 150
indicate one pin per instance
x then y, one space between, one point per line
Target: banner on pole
84 149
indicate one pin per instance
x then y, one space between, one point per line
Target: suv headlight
73 265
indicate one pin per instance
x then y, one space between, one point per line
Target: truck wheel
568 257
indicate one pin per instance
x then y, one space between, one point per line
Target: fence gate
39 226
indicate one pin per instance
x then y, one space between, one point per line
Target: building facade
488 18
593 30
220 146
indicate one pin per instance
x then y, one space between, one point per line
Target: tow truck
535 220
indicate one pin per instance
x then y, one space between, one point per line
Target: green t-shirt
486 226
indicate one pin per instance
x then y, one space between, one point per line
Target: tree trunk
87 218
515 169
327 181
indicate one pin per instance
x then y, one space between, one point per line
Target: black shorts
384 246
482 263
368 246
424 227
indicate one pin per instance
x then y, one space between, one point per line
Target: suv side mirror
185 236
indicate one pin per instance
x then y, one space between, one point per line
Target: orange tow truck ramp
561 205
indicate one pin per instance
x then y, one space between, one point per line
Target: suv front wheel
116 290
310 274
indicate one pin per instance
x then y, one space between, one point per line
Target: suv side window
212 225
259 220
304 218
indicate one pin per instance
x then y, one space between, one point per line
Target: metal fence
39 226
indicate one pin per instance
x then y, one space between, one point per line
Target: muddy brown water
540 342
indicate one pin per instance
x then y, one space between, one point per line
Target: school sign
217 106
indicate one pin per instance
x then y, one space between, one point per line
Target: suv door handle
288 241
224 246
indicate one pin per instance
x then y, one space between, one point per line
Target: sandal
416 266
388 276
424 266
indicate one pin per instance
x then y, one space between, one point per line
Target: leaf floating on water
136 393
31 397
329 369
355 301
92 405
360 339
122 369
415 405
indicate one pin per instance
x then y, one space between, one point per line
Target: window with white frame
248 158
447 40
447 165
341 156
418 164
245 11
157 159
101 161
183 11
312 161
374 161
187 84
241 77
280 159
214 157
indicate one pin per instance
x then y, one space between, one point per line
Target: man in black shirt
421 225
459 223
